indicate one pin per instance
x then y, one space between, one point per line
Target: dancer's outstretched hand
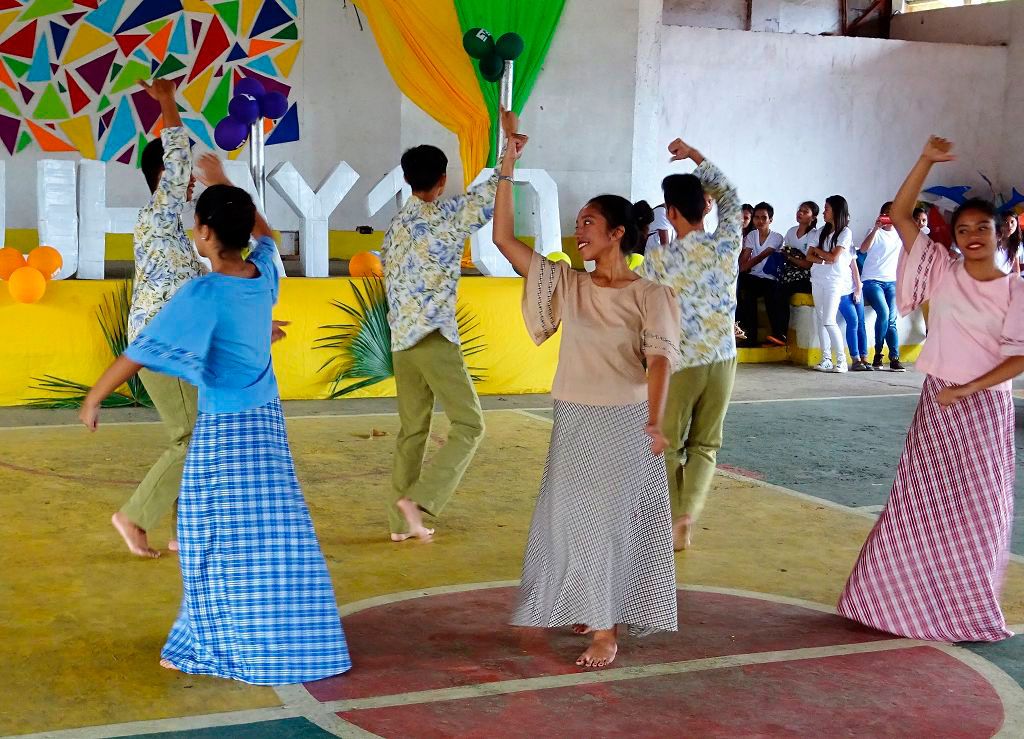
210 170
277 331
938 149
89 415
680 150
658 441
516 141
161 89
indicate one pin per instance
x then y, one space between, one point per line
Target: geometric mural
69 69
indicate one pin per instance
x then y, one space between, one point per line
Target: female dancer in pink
932 567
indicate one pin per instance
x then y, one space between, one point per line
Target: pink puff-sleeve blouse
973 326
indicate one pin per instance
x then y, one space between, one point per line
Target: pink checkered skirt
932 567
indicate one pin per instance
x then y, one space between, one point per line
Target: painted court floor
760 652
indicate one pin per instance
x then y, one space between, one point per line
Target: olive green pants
176 402
698 398
432 369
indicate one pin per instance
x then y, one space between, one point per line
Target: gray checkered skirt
600 545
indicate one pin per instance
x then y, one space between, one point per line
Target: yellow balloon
559 256
633 261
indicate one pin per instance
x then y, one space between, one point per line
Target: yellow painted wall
341 244
60 335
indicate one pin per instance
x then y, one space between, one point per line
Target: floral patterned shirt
422 256
164 257
702 269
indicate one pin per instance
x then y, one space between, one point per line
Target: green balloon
510 46
478 42
492 67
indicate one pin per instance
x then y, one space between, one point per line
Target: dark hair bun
643 214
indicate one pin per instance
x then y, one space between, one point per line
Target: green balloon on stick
509 46
492 67
478 42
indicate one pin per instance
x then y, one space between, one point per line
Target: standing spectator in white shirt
831 279
881 247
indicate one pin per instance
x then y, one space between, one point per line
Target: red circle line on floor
443 661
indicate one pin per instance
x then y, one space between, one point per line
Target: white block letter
546 225
313 208
58 212
97 220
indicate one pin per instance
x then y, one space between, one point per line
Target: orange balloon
10 260
46 259
365 264
27 285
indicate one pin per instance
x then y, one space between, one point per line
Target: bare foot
681 533
602 650
133 536
172 545
403 537
581 629
168 665
413 517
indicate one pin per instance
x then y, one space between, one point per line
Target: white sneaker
825 365
840 368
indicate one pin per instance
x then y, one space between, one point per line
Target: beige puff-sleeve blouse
607 333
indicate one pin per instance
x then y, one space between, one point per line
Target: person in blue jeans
851 308
881 250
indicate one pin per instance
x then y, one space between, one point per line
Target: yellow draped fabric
421 43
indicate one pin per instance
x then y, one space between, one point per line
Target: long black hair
840 220
750 226
1013 241
635 218
813 207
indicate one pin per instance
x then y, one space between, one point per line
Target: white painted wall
792 117
991 24
782 16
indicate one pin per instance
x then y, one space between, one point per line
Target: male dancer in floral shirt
164 261
702 268
422 253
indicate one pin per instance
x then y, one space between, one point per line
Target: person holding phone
881 250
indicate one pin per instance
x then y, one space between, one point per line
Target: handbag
775 264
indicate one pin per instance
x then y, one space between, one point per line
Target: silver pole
258 164
505 98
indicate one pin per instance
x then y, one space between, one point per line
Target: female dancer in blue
258 605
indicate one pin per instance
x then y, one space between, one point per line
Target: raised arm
515 251
870 238
936 149
211 172
172 190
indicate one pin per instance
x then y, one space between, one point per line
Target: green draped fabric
535 21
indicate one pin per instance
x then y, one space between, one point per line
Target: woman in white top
1009 256
881 248
754 282
830 280
660 233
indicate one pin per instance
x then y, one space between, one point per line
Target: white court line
613 674
325 416
210 720
862 511
299 703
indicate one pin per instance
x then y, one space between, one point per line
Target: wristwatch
506 178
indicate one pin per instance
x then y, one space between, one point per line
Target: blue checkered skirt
257 604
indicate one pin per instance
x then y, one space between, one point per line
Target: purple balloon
249 86
230 134
244 109
273 105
